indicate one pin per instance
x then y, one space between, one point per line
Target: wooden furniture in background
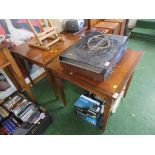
92 22
112 27
8 64
121 22
109 89
46 38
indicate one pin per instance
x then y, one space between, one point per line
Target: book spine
7 127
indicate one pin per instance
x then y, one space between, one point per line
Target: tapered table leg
52 81
61 90
127 85
107 111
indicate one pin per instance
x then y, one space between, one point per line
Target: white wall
59 24
132 23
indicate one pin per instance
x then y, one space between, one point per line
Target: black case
98 63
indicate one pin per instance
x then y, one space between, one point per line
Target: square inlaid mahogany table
108 89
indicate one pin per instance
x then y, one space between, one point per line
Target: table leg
106 111
127 86
29 92
61 90
52 81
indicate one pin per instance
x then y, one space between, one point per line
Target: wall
132 23
59 24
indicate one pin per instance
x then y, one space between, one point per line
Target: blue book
12 124
85 102
7 127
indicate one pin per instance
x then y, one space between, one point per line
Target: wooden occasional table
8 64
109 89
42 57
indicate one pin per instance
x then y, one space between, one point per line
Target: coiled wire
103 42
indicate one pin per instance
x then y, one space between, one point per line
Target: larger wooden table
109 89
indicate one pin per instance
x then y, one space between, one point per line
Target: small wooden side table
8 64
42 57
109 89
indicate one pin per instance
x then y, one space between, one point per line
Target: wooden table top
114 84
43 57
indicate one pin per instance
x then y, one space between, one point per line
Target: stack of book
90 109
19 113
8 126
24 109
